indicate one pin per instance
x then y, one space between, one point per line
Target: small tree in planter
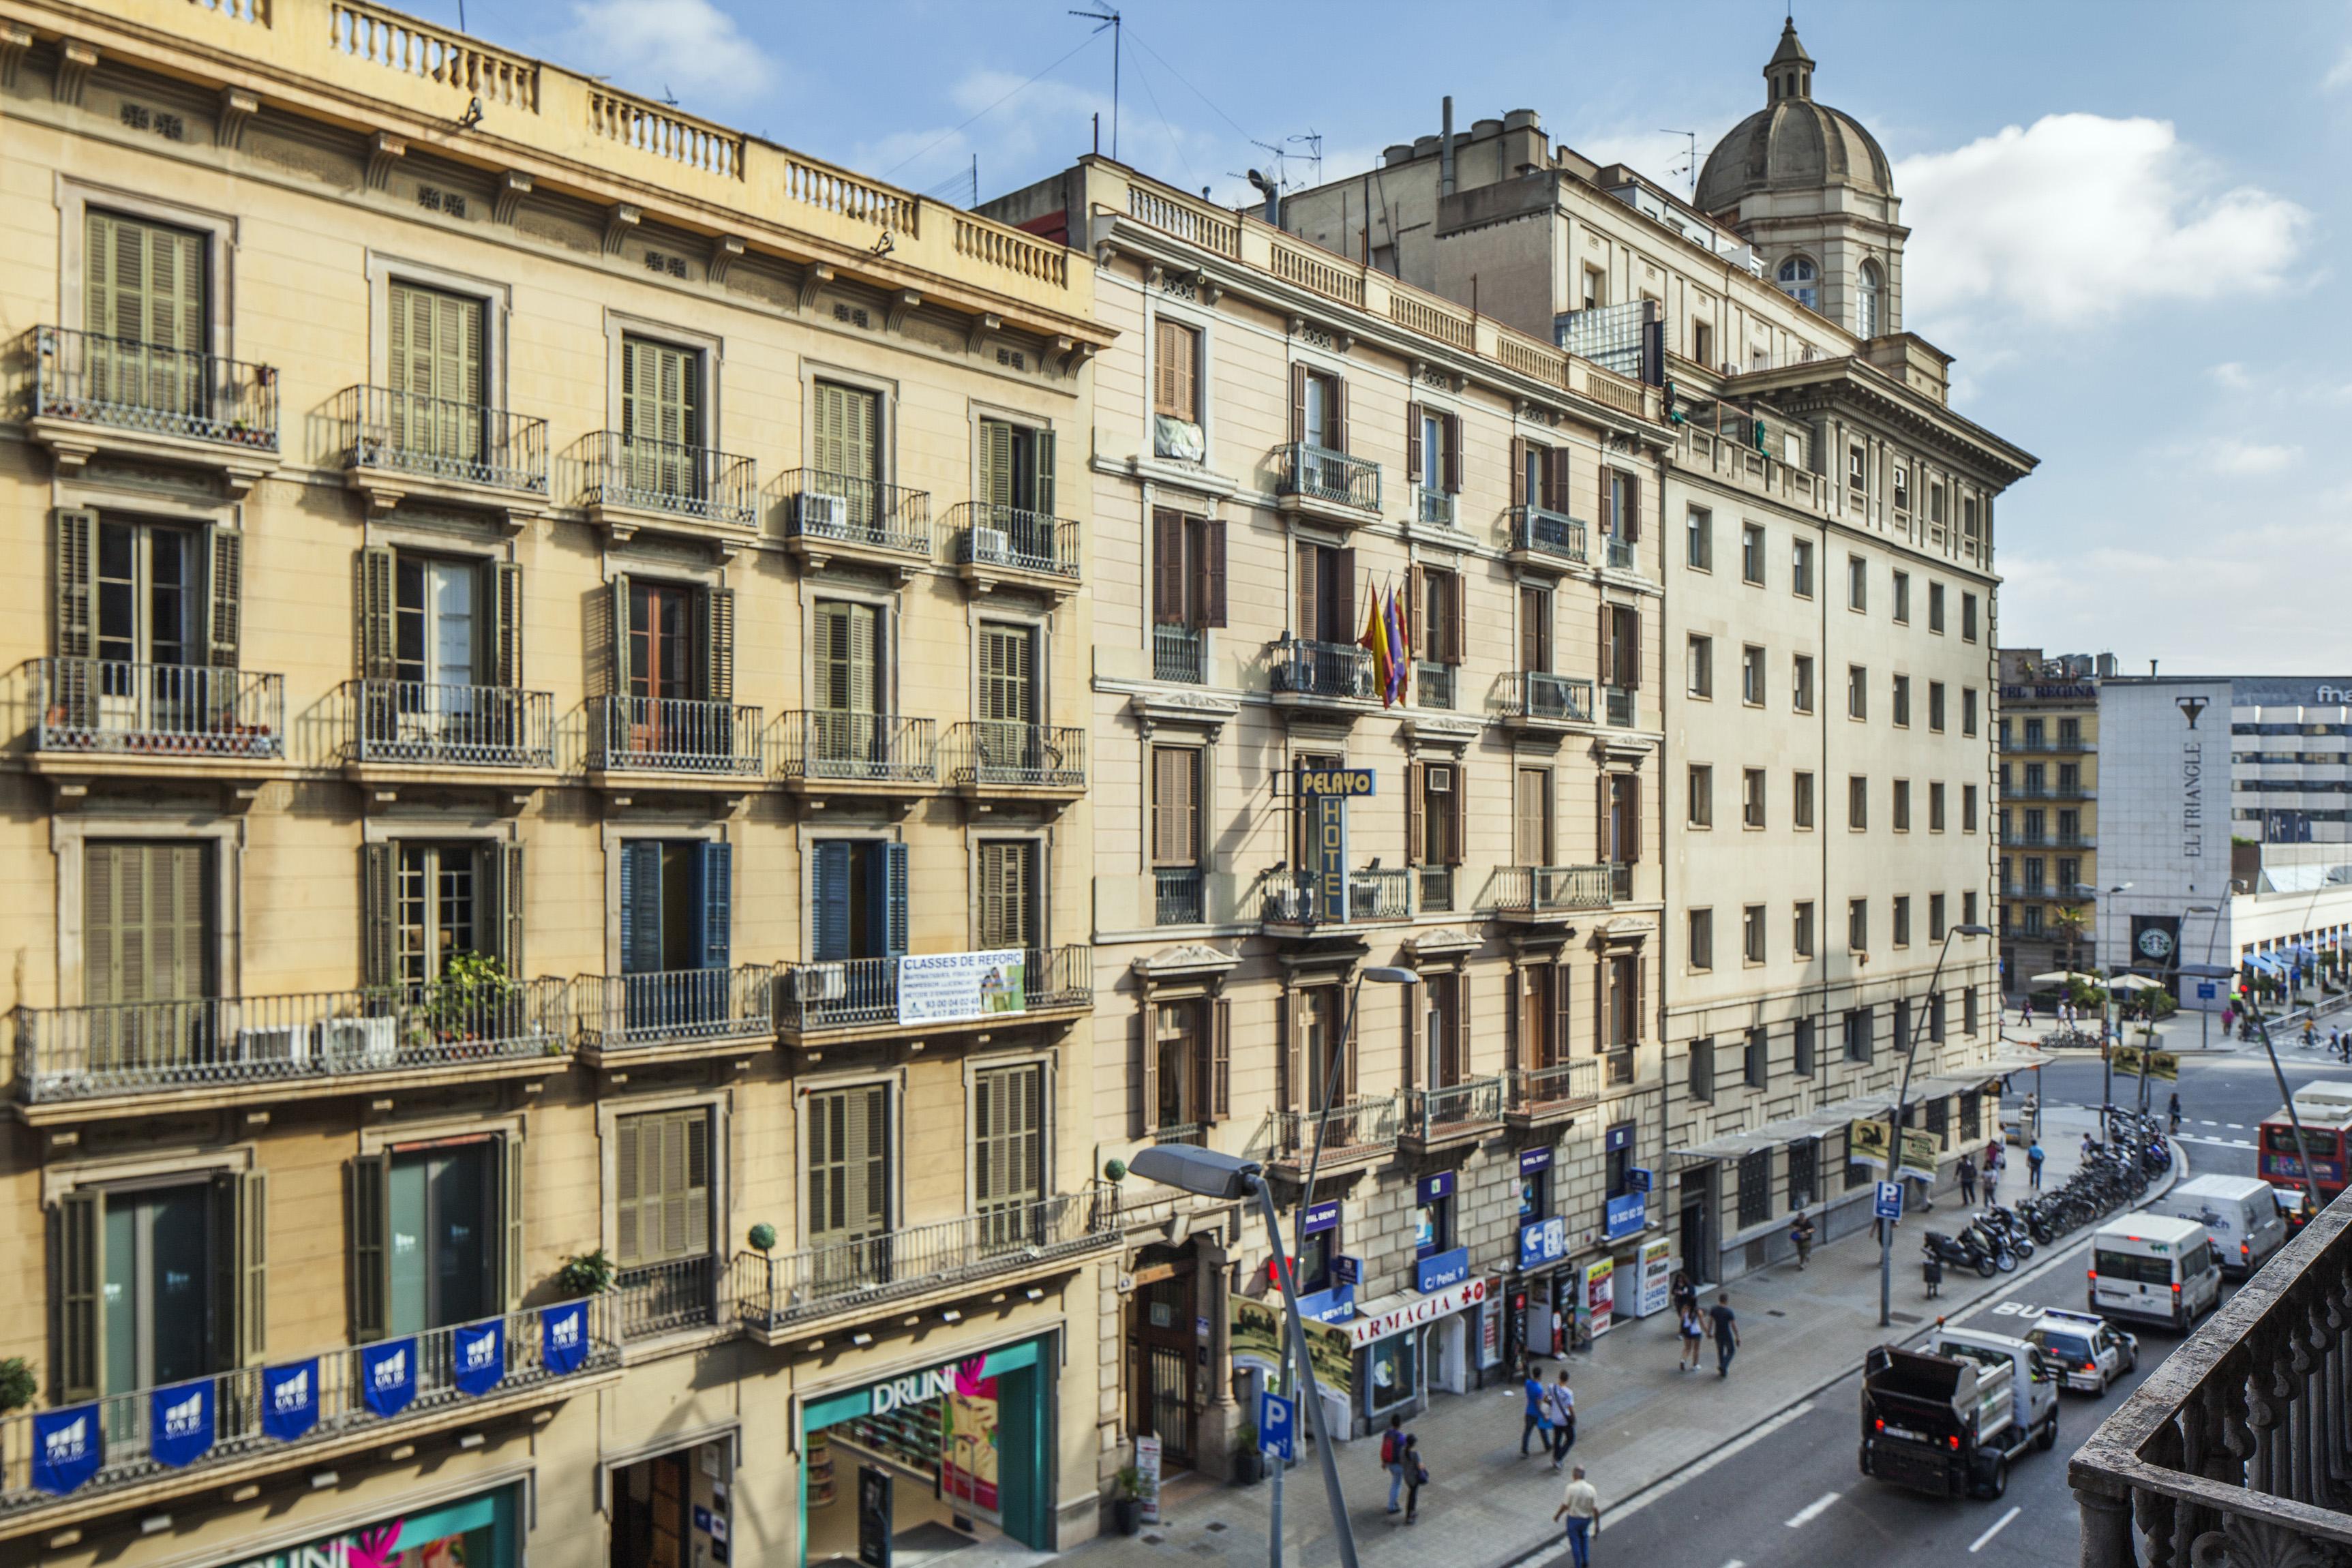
1126 1499
17 1384
586 1274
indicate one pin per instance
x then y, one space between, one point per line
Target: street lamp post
2106 1001
2205 1014
1895 1126
2302 1150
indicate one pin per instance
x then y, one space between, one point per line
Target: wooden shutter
1456 803
376 567
1291 1089
1555 476
511 1279
1627 659
827 415
1147 1076
1630 808
370 1180
629 1186
1175 806
843 432
1008 1127
1562 1021
1462 1071
224 594
618 645
715 904
506 596
687 1217
1343 597
1166 569
76 583
1209 560
832 900
1221 1059
1175 347
1450 428
641 906
1608 669
996 463
239 1204
893 858
1416 594
144 283
1043 503
1310 564
81 1296
1632 519
1298 401
147 925
1416 781
1413 417
1519 496
505 905
1340 414
379 914
717 608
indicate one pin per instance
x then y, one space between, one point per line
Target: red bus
2324 1109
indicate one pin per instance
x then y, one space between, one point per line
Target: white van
2155 1266
2239 1212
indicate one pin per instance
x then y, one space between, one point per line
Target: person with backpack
1416 1476
2033 1165
1560 1409
1800 1236
1393 1449
1533 1421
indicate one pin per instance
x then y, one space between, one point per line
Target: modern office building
546 829
2048 801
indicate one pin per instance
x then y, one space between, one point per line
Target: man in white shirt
1580 1509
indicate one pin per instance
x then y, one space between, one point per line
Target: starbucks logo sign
2156 942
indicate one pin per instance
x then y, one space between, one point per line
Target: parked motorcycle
1957 1252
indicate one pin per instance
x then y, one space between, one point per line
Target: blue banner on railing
388 1375
289 1399
563 1336
180 1423
479 1351
66 1448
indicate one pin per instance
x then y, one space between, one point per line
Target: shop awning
1393 1314
1830 1119
2263 963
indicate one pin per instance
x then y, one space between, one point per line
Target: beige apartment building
1827 629
546 819
2049 822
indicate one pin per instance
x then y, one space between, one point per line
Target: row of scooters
2112 1173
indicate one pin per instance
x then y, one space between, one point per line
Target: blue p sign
1888 1203
1277 1424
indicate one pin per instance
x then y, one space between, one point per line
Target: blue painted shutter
886 899
714 877
832 902
641 923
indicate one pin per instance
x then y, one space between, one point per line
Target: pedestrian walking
1685 1294
1533 1421
1580 1510
2228 1020
2025 1013
1416 1476
1393 1442
2172 1111
1560 1409
1800 1236
1967 1175
1992 1187
1727 1334
1693 1330
2033 1166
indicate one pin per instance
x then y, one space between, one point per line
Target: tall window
1903 701
1857 582
438 908
1800 800
661 1173
1968 809
1318 409
1176 352
1699 664
1901 805
1801 683
1701 951
1012 894
1009 704
444 1210
848 1180
147 930
1936 607
1801 569
145 288
1935 917
1903 597
676 904
1857 803
147 596
1935 807
859 887
1008 1130
1016 474
1702 1068
1752 933
1751 797
1532 815
1969 617
1698 540
1625 1014
1757 1061
662 416
1176 833
1751 675
1868 289
1903 920
1968 710
1702 795
433 346
1751 554
1861 1035
1801 935
1186 1076
1325 606
1857 925
1435 808
1857 691
1801 280
1935 706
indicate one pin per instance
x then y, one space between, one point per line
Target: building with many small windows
547 818
2049 791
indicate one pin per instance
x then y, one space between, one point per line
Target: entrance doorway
670 1512
1162 1349
1698 1262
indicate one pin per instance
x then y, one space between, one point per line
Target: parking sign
1276 1420
1888 1203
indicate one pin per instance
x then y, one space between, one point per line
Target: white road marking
1735 1563
1813 1511
2219 1142
1998 1526
1662 1487
2238 1126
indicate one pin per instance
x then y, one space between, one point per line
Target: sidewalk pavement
1639 1419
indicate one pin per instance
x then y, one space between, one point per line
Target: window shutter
1340 414
1147 1077
1309 557
1462 1025
1221 1049
1412 414
1298 401
224 594
77 584
628 1168
1416 594
376 568
371 1180
641 901
715 890
1563 1022
618 645
1166 569
996 462
1293 1088
507 905
510 1195
505 589
81 1270
238 1300
886 898
675 1180
1045 444
1519 496
1630 845
832 861
695 1237
718 647
379 914
986 1116
1456 804
1632 521
1416 782
1343 594
1210 559
1452 430
1457 625
1628 658
827 412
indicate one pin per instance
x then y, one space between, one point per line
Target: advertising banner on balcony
563 1336
950 987
289 1399
180 1423
477 1353
1257 1340
66 1448
388 1377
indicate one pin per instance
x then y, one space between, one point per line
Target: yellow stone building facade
546 817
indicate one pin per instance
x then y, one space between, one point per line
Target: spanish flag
1376 638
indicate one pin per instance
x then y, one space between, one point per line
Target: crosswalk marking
1998 1526
1813 1511
2219 1142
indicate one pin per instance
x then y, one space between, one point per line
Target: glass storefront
477 1532
1395 1371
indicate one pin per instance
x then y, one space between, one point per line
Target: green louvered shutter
433 350
661 415
144 308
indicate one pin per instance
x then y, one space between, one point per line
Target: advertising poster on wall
968 1459
1658 1279
1257 1338
1597 1302
949 987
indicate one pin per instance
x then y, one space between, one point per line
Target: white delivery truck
2155 1266
2238 1211
1950 1418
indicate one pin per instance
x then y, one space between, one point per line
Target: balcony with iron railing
1299 901
1538 700
415 724
2019 839
672 1297
1433 506
130 1476
1434 684
826 751
673 1012
1542 1096
1433 889
397 444
1011 544
1623 554
1542 538
1620 881
672 735
1179 654
99 708
1004 757
1320 673
1538 893
1179 895
628 481
2233 1451
2061 745
875 997
1621 707
89 393
1450 1114
2050 792
1351 1133
84 1059
829 515
783 1296
1332 485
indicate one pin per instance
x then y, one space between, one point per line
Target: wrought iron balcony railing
1003 753
123 1435
664 1297
1012 537
1622 706
1436 888
125 385
1551 890
845 509
860 992
672 735
440 438
638 473
1317 473
1622 556
469 726
135 1047
1551 534
776 1291
1433 506
620 1011
1179 654
1568 1082
1434 1112
1323 669
2018 839
1351 1125
1434 684
857 748
1546 698
103 705
1179 896
1300 898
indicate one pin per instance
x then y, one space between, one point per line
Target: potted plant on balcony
17 1384
585 1274
473 1001
1126 1499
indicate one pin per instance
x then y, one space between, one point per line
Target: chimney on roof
1445 150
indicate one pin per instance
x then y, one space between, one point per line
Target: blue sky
2123 214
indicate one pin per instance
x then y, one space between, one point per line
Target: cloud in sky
2339 74
2227 454
688 47
2078 219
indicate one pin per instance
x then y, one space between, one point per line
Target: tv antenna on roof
1688 167
1109 17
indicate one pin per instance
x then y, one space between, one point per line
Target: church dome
1792 143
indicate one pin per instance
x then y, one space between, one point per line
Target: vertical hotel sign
1323 795
2193 780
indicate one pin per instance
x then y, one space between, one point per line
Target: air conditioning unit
991 544
289 1043
821 982
823 513
356 1043
1440 781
